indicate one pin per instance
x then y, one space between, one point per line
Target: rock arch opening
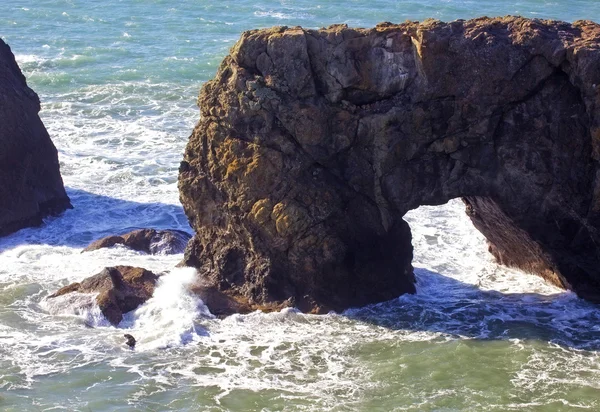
446 244
313 144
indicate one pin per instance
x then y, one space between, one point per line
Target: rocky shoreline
313 144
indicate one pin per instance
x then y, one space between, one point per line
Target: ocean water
118 81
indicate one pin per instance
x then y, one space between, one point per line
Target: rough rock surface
120 289
31 187
220 304
312 145
156 242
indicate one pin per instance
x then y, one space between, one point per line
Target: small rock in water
130 340
155 242
120 289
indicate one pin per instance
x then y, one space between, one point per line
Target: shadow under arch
456 309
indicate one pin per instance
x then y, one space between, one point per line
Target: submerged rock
120 289
313 144
31 187
156 242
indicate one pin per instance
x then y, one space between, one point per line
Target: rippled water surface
118 82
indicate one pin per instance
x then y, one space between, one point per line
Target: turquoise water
118 82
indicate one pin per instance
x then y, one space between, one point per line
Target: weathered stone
312 145
151 241
120 289
221 303
31 187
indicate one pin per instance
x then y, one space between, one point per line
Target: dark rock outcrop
31 187
312 145
120 289
151 241
223 303
130 340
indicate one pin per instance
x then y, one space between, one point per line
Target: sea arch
313 144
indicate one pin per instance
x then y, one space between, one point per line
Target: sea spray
170 317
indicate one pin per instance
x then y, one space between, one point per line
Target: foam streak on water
118 82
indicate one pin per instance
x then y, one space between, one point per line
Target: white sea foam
322 359
170 317
24 59
175 58
282 16
120 127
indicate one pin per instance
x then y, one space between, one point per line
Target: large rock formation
312 145
31 187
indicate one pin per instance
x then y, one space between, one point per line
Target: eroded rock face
155 242
312 145
120 289
31 187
